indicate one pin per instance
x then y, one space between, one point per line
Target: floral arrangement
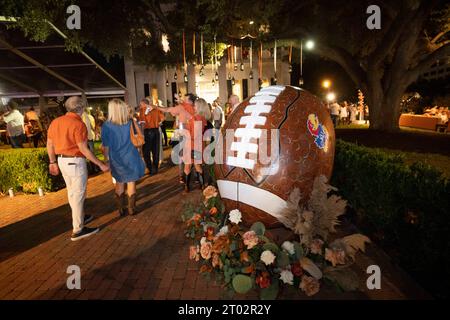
247 259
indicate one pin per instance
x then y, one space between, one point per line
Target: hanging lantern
175 76
213 82
179 94
216 76
167 83
275 78
235 67
290 68
202 71
229 75
233 81
185 78
300 81
250 74
242 66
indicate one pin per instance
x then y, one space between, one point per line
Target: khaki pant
74 171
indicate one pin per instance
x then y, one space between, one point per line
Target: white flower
202 240
288 246
287 277
267 257
222 231
235 216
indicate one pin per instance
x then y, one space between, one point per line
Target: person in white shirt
344 113
217 115
14 125
335 109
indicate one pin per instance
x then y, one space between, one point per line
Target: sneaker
88 218
84 233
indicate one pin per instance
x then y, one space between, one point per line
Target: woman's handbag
137 138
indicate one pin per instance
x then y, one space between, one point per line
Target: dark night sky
316 69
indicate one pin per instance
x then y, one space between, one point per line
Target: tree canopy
414 34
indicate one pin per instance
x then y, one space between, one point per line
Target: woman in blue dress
126 164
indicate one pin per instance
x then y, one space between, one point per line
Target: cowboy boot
201 179
120 204
187 180
132 205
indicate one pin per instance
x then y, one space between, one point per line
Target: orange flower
263 280
244 256
205 250
213 211
194 253
221 244
205 268
309 285
209 234
216 261
197 217
249 269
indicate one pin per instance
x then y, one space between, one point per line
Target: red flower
213 211
209 234
263 280
296 269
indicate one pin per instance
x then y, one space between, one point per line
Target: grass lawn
417 145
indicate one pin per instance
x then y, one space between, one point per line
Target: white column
162 89
130 81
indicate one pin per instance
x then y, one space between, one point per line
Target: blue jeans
17 141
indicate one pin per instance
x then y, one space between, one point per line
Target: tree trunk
384 110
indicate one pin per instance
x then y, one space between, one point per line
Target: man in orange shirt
151 117
67 150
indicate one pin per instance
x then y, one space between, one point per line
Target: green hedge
26 170
406 208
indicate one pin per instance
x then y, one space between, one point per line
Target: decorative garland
247 259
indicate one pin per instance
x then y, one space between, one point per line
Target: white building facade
142 81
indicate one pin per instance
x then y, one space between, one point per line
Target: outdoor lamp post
326 84
309 45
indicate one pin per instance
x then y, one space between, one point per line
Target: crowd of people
347 113
70 147
22 128
441 112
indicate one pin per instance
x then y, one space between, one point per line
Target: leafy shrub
26 170
405 207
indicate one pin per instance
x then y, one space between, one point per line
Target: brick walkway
140 257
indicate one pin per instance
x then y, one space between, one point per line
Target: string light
234 55
275 59
242 60
193 48
290 58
